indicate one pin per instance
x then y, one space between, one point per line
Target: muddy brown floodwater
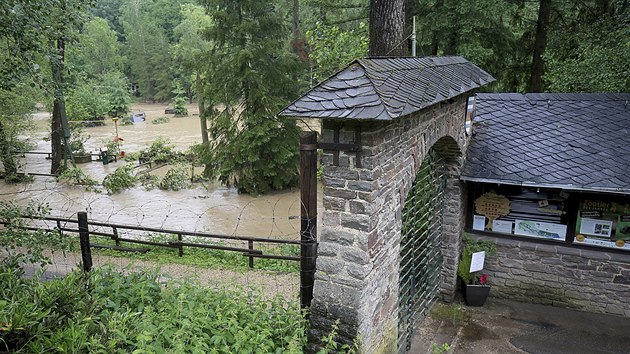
209 207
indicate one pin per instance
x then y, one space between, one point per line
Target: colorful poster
540 229
596 227
603 223
502 226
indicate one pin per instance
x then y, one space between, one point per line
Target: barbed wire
202 209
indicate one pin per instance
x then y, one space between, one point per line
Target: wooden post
116 239
308 230
250 246
181 248
84 237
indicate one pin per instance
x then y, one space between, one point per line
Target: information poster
502 226
477 261
603 223
596 227
540 229
479 222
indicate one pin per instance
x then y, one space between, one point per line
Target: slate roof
388 88
558 140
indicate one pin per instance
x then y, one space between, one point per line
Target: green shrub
21 245
176 178
161 120
469 247
106 312
121 179
76 176
161 150
132 156
148 181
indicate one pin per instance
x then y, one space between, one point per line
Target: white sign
502 226
479 222
540 229
478 258
601 228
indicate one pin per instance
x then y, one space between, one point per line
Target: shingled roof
557 140
388 88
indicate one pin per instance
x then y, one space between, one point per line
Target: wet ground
503 326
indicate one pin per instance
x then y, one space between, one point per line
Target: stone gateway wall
589 280
356 281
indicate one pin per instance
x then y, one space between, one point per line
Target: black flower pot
475 295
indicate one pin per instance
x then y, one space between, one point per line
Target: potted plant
476 286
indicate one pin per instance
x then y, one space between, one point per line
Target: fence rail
67 225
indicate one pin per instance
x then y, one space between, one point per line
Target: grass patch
205 258
454 314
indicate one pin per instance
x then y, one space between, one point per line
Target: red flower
483 279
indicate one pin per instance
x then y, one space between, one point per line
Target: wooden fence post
308 229
84 237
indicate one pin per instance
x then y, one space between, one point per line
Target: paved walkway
503 326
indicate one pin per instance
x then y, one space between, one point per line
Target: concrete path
503 326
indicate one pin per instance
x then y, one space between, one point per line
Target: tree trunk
295 29
58 106
387 28
10 167
202 110
435 38
538 64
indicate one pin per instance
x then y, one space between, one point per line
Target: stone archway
357 273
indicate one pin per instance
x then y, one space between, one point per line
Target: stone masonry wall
589 280
358 256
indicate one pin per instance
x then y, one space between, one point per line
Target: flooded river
207 207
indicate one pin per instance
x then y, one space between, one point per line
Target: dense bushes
106 312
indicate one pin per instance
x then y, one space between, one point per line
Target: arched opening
422 233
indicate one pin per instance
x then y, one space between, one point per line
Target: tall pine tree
249 78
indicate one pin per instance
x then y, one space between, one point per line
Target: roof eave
571 187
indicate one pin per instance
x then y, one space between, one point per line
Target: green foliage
15 106
22 245
115 88
161 120
592 53
132 156
333 49
161 150
179 102
455 315
76 176
107 312
440 349
148 181
176 178
86 103
210 258
250 73
97 52
147 48
122 178
332 346
469 247
191 48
